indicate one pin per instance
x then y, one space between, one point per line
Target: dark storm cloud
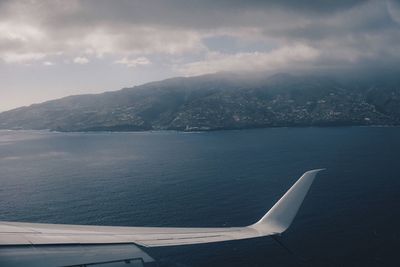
307 6
186 13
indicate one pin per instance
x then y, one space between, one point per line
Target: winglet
281 215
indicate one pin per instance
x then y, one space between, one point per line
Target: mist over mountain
220 101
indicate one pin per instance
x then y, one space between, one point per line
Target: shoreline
198 131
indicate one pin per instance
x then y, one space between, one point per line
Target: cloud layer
189 37
336 32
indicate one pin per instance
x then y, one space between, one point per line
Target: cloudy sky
50 49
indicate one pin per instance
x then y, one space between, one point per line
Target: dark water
351 216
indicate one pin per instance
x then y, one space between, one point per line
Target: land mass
217 101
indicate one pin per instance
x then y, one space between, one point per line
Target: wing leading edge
275 221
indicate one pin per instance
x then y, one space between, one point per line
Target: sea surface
351 216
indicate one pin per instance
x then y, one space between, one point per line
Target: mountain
218 101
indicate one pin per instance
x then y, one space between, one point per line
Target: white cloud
11 57
132 63
48 63
286 56
20 42
12 30
135 40
81 60
14 38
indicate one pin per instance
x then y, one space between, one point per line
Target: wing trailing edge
275 221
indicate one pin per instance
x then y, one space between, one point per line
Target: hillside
219 101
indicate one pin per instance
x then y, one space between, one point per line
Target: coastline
197 130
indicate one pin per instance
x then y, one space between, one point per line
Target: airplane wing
275 221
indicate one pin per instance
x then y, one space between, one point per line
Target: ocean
351 216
